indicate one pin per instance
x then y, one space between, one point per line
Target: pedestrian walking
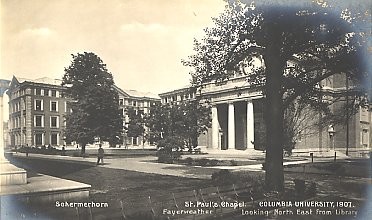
100 154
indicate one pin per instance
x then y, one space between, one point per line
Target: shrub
233 163
223 177
203 162
213 162
189 161
169 149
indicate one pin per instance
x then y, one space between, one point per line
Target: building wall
237 91
143 104
23 129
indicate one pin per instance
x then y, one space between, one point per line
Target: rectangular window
53 139
134 141
38 105
38 121
54 93
365 137
121 101
38 139
54 121
134 103
37 91
46 92
53 106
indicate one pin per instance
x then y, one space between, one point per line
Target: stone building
36 112
139 101
238 123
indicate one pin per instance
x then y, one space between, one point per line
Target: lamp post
331 132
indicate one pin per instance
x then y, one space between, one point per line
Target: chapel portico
233 114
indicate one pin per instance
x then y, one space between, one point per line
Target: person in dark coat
100 154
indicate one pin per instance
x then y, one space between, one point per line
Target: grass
134 188
114 185
351 167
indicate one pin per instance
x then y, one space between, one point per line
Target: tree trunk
274 176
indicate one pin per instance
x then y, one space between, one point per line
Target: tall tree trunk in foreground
274 115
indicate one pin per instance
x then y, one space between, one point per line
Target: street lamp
331 132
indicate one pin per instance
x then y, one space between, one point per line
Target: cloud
42 31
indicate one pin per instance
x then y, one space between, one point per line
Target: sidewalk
148 164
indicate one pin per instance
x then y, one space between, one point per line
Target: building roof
137 94
176 91
43 80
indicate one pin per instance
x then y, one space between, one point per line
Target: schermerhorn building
36 112
238 123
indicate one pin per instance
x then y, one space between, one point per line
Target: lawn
134 188
114 185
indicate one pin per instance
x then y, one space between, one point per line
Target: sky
142 42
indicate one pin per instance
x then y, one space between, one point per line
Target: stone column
231 126
250 125
215 127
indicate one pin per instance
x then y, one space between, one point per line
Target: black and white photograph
185 109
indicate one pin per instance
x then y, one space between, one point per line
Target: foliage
203 162
213 162
233 163
189 161
169 149
136 123
288 52
94 101
196 120
187 120
41 150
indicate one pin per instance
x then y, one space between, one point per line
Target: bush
233 163
169 149
213 162
203 162
223 177
189 161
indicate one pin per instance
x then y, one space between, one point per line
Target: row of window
178 97
39 121
39 139
135 103
47 92
53 105
38 105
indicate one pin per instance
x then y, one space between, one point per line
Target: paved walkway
148 164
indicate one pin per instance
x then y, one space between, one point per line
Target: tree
187 120
300 45
95 109
136 124
196 120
